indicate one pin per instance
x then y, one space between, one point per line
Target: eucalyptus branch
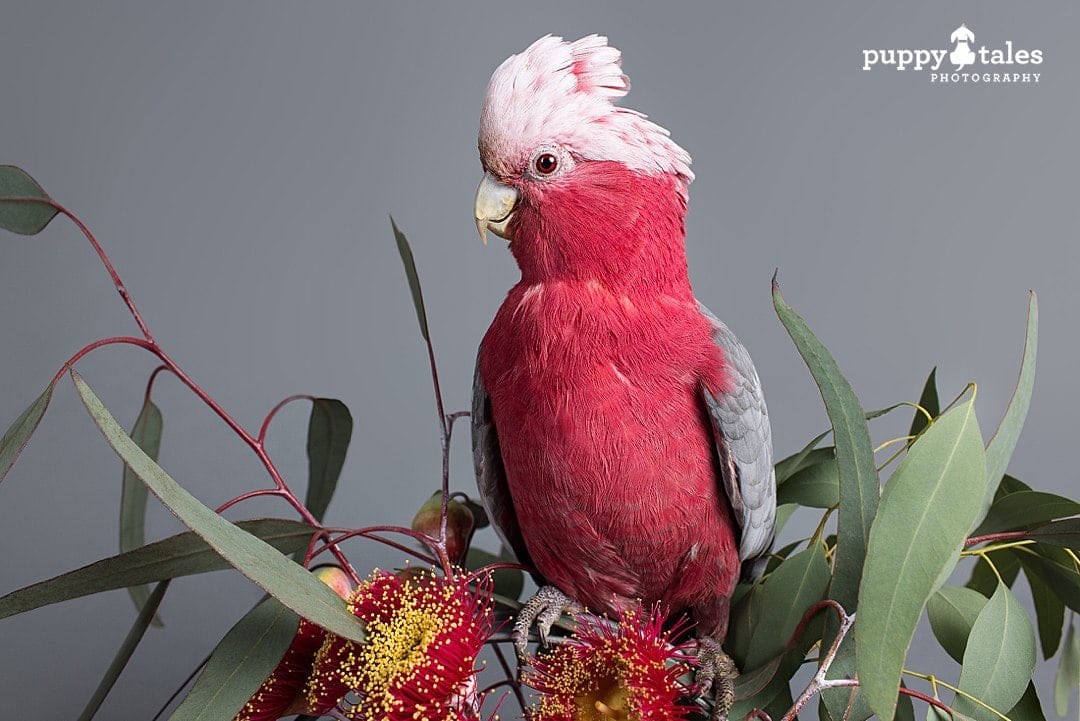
819 683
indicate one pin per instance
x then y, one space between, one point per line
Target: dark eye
546 164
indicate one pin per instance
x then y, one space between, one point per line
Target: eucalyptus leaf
147 434
1003 443
1068 674
952 612
786 595
859 484
985 581
928 400
286 581
1064 533
1049 613
413 277
244 658
330 429
809 455
18 434
926 508
816 485
184 554
1029 707
1056 571
25 208
1025 508
147 613
999 658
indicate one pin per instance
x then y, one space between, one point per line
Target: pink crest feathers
562 93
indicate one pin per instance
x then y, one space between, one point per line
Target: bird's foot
543 609
716 673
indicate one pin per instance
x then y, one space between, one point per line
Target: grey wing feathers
743 436
490 473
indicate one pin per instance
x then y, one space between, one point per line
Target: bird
621 441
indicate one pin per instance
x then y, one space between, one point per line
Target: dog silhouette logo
962 54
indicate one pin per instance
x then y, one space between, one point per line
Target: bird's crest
563 92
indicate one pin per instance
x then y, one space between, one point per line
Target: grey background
238 161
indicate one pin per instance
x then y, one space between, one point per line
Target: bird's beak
494 207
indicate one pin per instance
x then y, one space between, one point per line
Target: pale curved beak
494 207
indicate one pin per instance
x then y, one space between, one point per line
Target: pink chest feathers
608 454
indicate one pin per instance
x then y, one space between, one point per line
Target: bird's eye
545 164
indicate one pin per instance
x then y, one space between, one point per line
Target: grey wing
743 438
490 473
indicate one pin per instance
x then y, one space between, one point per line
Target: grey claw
544 610
716 673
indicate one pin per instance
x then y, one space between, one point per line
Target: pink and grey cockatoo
621 440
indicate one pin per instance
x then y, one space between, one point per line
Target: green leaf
837 700
809 455
999 659
509 582
927 507
929 401
182 555
1002 445
147 434
816 486
1049 613
985 581
240 663
147 613
952 612
329 432
796 585
1056 571
286 581
742 624
1010 484
1068 674
783 515
777 692
751 683
1029 708
413 277
859 485
25 208
17 436
1064 533
1025 508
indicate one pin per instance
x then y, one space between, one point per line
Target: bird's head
577 185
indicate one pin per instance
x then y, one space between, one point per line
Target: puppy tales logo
990 65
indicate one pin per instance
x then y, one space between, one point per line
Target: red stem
809 616
109 267
150 382
1006 536
928 699
369 533
151 345
274 411
758 714
245 496
511 676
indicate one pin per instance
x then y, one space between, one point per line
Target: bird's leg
716 673
543 609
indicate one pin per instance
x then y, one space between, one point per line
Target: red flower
282 693
419 661
628 671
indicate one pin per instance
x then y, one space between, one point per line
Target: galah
621 440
